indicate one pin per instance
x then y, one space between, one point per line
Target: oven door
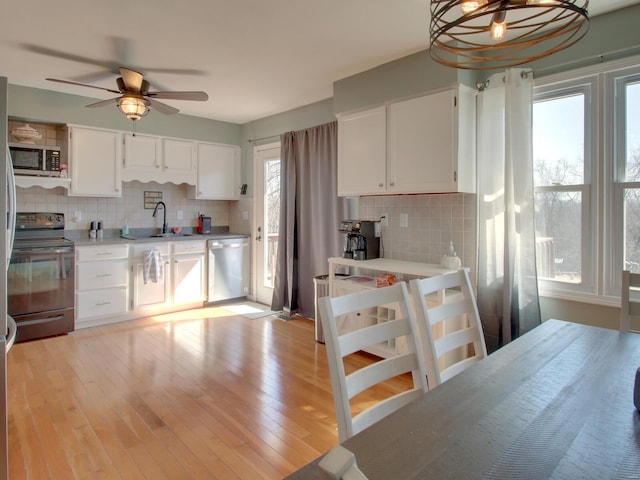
40 290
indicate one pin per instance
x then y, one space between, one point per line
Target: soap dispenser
451 260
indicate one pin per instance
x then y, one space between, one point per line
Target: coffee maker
361 242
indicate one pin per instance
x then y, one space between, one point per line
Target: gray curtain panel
310 211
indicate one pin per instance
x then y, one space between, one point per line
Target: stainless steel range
40 279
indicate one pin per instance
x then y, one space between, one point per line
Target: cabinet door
422 137
432 143
218 175
362 148
150 294
141 155
178 156
188 278
94 162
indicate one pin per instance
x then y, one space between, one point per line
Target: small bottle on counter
100 232
92 230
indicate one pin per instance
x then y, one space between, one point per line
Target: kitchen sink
169 234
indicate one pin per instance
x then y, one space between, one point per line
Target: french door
266 160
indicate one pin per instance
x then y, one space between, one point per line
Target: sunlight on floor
194 314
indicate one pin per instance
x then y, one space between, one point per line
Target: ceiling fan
135 99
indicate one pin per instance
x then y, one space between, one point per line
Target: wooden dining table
555 403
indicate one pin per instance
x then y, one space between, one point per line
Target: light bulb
498 30
472 5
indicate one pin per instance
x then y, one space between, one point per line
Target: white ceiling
254 58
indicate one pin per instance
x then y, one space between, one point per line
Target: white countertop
390 265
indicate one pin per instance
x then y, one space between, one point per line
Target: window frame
587 86
615 82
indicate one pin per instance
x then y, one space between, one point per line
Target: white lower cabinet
110 280
153 293
188 272
102 281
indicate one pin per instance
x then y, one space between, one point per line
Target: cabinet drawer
188 247
137 251
100 303
93 275
106 252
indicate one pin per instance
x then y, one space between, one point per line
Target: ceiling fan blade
176 71
132 79
81 85
67 56
162 107
102 103
200 96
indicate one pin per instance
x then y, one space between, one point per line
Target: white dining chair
629 306
339 345
458 341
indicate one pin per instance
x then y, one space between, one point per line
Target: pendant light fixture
495 34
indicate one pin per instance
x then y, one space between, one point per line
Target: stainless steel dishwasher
228 268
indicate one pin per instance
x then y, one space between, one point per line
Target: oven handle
36 321
43 250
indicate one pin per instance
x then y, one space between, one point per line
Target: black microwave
36 160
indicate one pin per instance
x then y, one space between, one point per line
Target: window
562 180
625 98
586 153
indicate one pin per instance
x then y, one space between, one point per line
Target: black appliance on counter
40 278
361 241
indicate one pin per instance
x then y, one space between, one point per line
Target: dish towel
153 266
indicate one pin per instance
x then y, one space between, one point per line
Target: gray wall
48 106
269 129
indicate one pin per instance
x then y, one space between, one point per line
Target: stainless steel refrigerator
6 235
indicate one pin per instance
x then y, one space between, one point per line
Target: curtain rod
272 137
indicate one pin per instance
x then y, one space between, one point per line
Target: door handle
259 235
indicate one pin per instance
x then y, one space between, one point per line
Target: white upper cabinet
427 145
362 146
150 158
218 172
179 157
94 164
141 152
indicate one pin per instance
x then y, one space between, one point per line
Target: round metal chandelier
493 34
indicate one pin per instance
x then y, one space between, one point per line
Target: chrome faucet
165 227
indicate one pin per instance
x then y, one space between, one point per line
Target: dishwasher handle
219 246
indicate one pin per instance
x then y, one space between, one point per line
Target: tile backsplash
432 221
130 207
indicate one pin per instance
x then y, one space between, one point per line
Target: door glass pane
558 227
558 141
632 132
271 218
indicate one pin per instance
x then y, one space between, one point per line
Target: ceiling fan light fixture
494 34
133 106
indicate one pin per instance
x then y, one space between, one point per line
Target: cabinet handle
102 275
104 253
381 185
392 184
102 304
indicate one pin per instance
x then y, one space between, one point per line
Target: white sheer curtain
507 283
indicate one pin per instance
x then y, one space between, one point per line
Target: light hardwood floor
204 394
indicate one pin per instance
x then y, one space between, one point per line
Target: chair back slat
378 372
358 340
